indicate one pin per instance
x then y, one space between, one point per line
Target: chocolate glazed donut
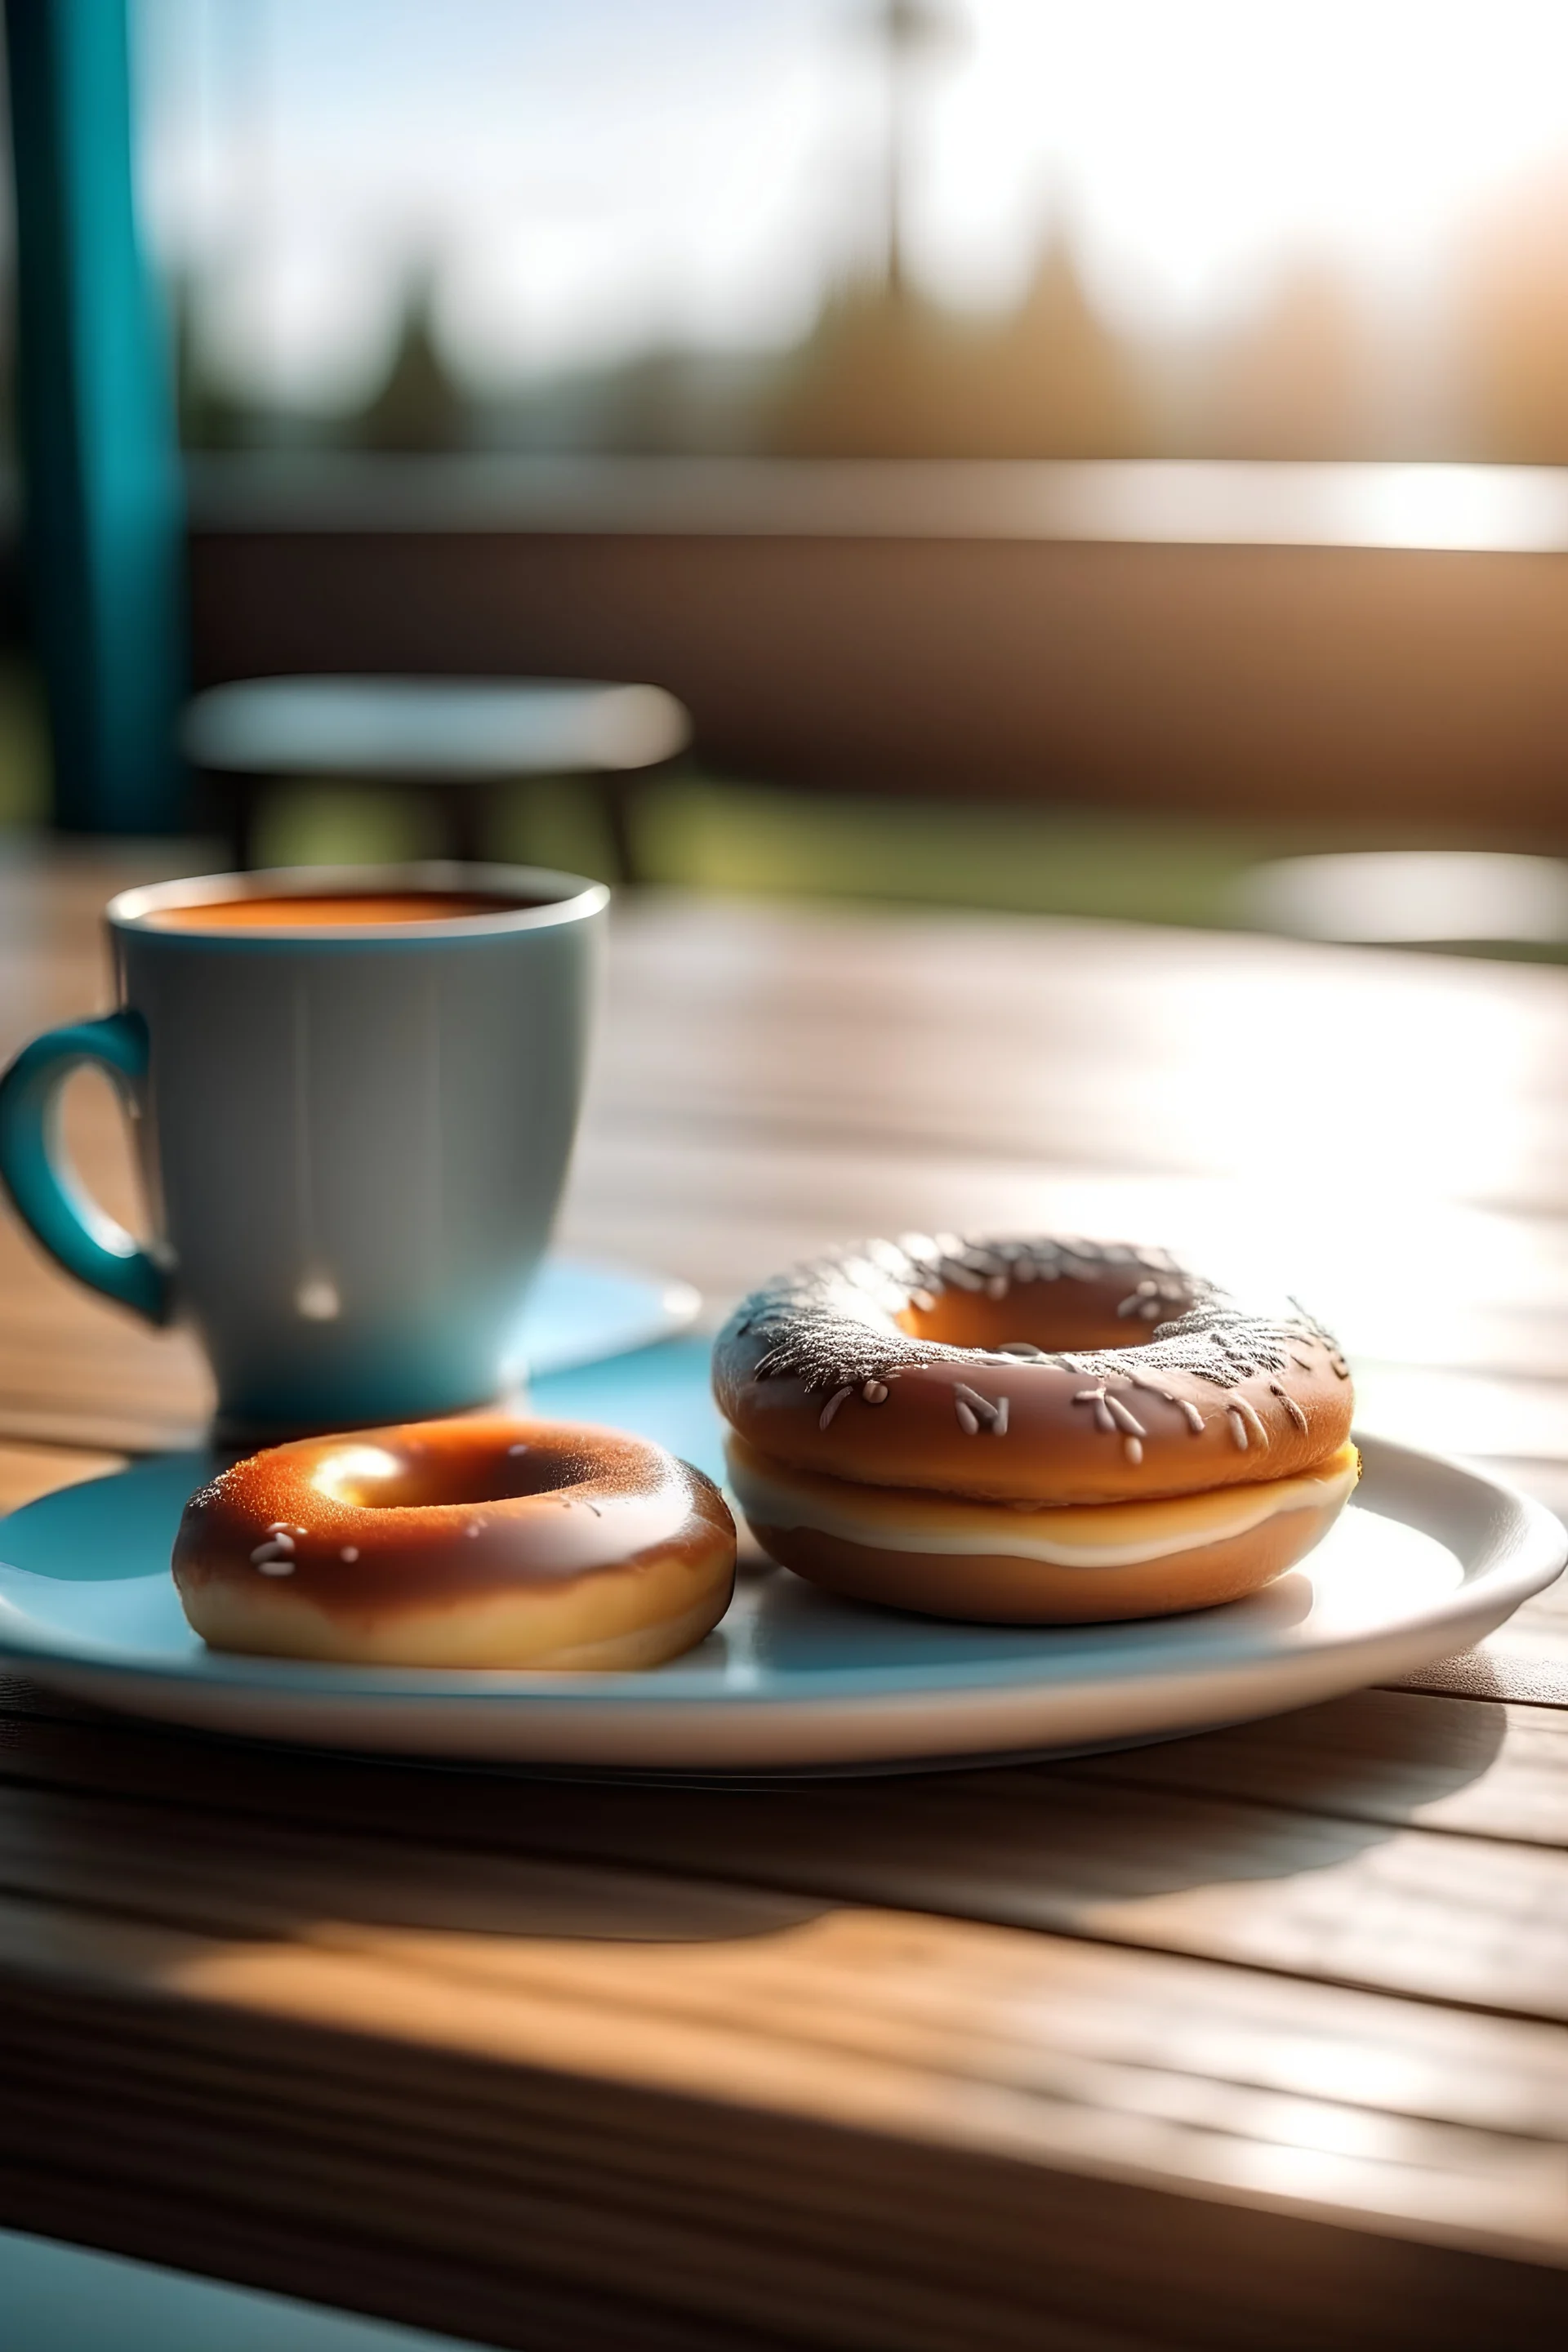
910 1415
483 1542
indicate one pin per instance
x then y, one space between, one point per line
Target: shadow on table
1053 1845
232 1838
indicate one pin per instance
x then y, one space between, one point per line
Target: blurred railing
1326 640
1503 510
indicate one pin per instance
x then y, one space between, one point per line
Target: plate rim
1526 1554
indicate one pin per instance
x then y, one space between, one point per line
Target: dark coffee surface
305 913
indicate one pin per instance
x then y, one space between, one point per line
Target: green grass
697 832
752 838
336 824
24 748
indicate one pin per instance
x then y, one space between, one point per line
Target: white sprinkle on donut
1183 1405
831 1407
993 1412
1123 1419
1237 1404
1290 1405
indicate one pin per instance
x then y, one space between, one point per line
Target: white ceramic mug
352 1139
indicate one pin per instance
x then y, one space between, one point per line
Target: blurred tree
886 370
672 402
212 416
419 403
887 374
1511 320
1298 380
877 377
1053 380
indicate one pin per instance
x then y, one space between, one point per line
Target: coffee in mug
320 910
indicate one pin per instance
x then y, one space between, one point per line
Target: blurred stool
1415 897
451 741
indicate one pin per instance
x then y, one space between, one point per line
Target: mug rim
568 899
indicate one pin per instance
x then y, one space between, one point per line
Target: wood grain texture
1169 1858
1255 2037
29 1471
662 2088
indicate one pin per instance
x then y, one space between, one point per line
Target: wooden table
1257 2038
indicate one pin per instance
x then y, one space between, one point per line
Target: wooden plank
1125 1043
879 2039
1391 1757
753 2030
131 2214
29 1471
1478 1921
661 1938
1525 1662
385 1832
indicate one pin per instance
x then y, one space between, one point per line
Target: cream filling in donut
1088 1534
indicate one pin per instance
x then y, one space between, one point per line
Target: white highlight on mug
317 1301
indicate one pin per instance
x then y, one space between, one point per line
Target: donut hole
1051 1316
373 1479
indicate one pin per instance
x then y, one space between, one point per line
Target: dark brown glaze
1033 1370
468 1507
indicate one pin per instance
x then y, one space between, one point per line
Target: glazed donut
1030 1430
485 1542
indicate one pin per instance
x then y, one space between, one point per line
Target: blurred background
1061 455
936 228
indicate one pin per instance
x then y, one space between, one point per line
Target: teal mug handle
43 1192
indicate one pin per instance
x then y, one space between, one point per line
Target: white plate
1429 1557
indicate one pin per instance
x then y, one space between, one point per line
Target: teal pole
101 475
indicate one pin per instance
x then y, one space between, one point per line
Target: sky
583 179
